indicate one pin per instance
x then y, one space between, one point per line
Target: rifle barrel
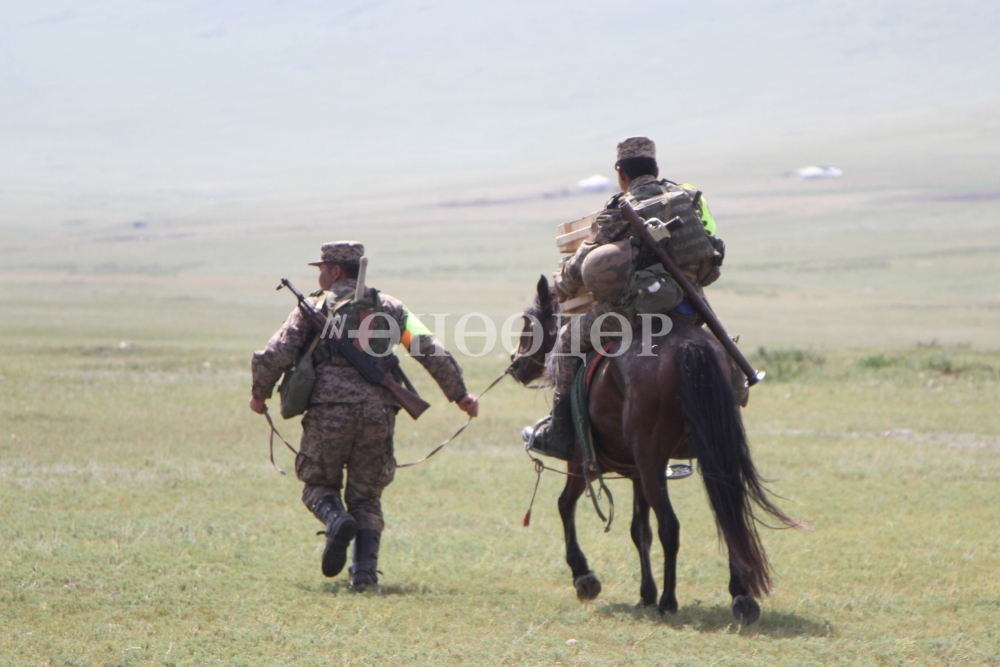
753 376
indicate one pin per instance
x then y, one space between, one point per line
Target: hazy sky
295 98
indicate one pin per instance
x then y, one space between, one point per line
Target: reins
540 467
274 432
457 433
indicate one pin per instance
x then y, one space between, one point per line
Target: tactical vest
345 317
690 247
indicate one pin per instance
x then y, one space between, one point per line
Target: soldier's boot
553 435
340 530
364 568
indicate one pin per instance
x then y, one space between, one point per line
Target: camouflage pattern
349 421
575 342
340 252
336 380
635 147
689 246
358 437
606 270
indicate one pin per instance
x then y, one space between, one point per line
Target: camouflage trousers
355 436
576 341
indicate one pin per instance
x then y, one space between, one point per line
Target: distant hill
125 109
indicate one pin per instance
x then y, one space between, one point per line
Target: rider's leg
576 339
556 437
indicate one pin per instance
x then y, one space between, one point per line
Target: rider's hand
560 295
469 405
258 405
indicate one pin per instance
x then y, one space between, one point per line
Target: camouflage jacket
336 380
690 247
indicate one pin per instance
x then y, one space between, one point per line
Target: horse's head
538 337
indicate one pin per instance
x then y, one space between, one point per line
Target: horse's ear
543 289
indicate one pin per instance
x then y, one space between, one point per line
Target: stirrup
529 442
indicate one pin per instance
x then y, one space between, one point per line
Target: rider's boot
340 530
364 569
553 436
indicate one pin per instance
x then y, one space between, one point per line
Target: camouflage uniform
349 421
688 247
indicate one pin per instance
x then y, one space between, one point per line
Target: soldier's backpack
297 385
690 246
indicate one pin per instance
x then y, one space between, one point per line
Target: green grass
143 525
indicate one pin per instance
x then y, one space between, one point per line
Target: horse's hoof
588 587
745 609
667 603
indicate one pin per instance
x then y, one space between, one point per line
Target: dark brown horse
676 404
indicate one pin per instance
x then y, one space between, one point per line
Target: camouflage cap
340 252
636 147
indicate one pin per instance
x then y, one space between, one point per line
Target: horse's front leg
654 488
642 536
746 609
588 587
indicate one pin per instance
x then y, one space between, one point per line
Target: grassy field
143 525
165 164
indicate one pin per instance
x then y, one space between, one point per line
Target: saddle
580 411
595 462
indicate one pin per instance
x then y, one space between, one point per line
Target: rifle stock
753 376
411 402
364 364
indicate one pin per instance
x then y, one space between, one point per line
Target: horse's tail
715 432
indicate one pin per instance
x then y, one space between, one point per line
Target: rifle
753 376
362 362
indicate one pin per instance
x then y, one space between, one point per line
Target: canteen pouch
652 290
297 385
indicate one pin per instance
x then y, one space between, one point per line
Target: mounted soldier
641 402
626 279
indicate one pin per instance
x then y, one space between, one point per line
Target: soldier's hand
258 405
561 295
469 405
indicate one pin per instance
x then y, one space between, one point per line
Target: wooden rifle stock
753 376
411 402
376 373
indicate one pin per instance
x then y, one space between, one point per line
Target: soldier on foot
349 421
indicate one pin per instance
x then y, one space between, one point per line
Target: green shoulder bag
297 385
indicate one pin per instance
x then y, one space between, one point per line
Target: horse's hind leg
654 487
642 536
745 607
588 587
